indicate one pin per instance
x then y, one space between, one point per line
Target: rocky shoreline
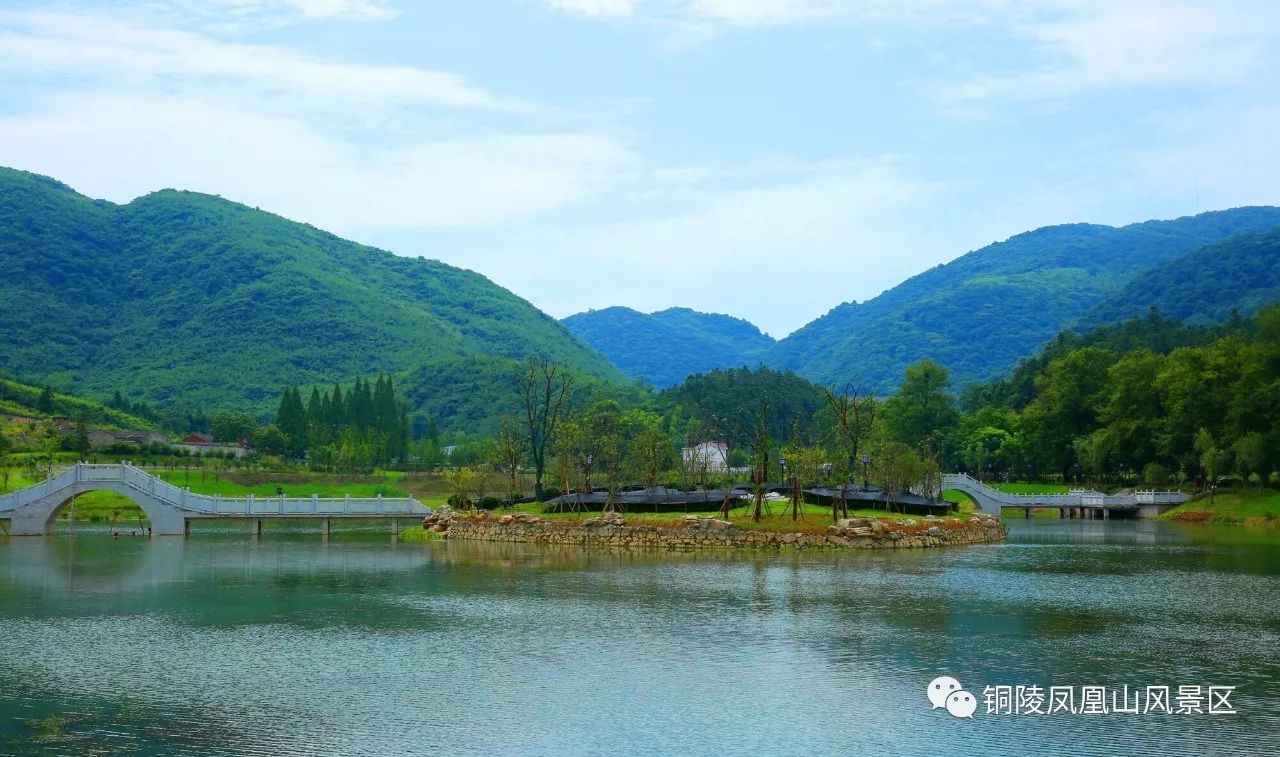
610 530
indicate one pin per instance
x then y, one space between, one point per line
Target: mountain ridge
96 296
666 346
979 313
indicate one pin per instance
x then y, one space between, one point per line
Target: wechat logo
946 692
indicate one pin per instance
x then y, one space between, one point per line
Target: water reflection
225 644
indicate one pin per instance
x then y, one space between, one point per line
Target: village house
713 456
203 444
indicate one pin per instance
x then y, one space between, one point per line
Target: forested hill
666 346
22 400
1206 286
981 313
185 298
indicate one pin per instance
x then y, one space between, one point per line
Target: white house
713 455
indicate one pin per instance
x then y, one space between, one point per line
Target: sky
769 159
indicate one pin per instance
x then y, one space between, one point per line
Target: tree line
1151 401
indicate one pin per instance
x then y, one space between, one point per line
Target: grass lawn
1247 506
104 507
18 479
237 484
813 519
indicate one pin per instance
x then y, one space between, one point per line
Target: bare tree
510 454
543 388
852 413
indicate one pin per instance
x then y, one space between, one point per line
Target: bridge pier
257 528
1106 513
324 529
395 529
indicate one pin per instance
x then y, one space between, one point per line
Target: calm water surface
218 644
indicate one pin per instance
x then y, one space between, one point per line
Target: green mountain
18 398
1241 274
981 313
726 404
474 393
180 297
665 347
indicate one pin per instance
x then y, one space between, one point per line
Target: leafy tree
649 450
45 404
896 468
1066 407
271 439
923 409
1213 459
1251 455
464 483
231 427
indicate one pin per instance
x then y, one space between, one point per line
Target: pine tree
44 404
387 420
337 410
315 409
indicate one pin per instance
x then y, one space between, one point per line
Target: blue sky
764 158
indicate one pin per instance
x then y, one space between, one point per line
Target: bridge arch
67 502
31 512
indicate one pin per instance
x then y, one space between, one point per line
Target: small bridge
171 509
1076 503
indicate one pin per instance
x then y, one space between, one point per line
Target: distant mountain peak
668 345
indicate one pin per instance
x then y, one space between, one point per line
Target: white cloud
780 251
234 14
118 146
595 8
132 107
1075 45
91 48
767 13
1108 45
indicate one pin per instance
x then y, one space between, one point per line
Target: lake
220 644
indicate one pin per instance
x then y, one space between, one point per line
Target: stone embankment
611 530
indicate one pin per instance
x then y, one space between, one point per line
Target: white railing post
346 504
315 503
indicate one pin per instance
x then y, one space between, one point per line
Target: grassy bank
813 519
1232 506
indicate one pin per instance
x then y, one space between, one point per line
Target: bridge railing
24 497
183 499
278 505
1160 498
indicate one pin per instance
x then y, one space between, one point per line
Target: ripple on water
225 646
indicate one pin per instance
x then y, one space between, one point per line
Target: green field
1241 506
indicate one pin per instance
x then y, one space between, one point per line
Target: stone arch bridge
1076 503
170 509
